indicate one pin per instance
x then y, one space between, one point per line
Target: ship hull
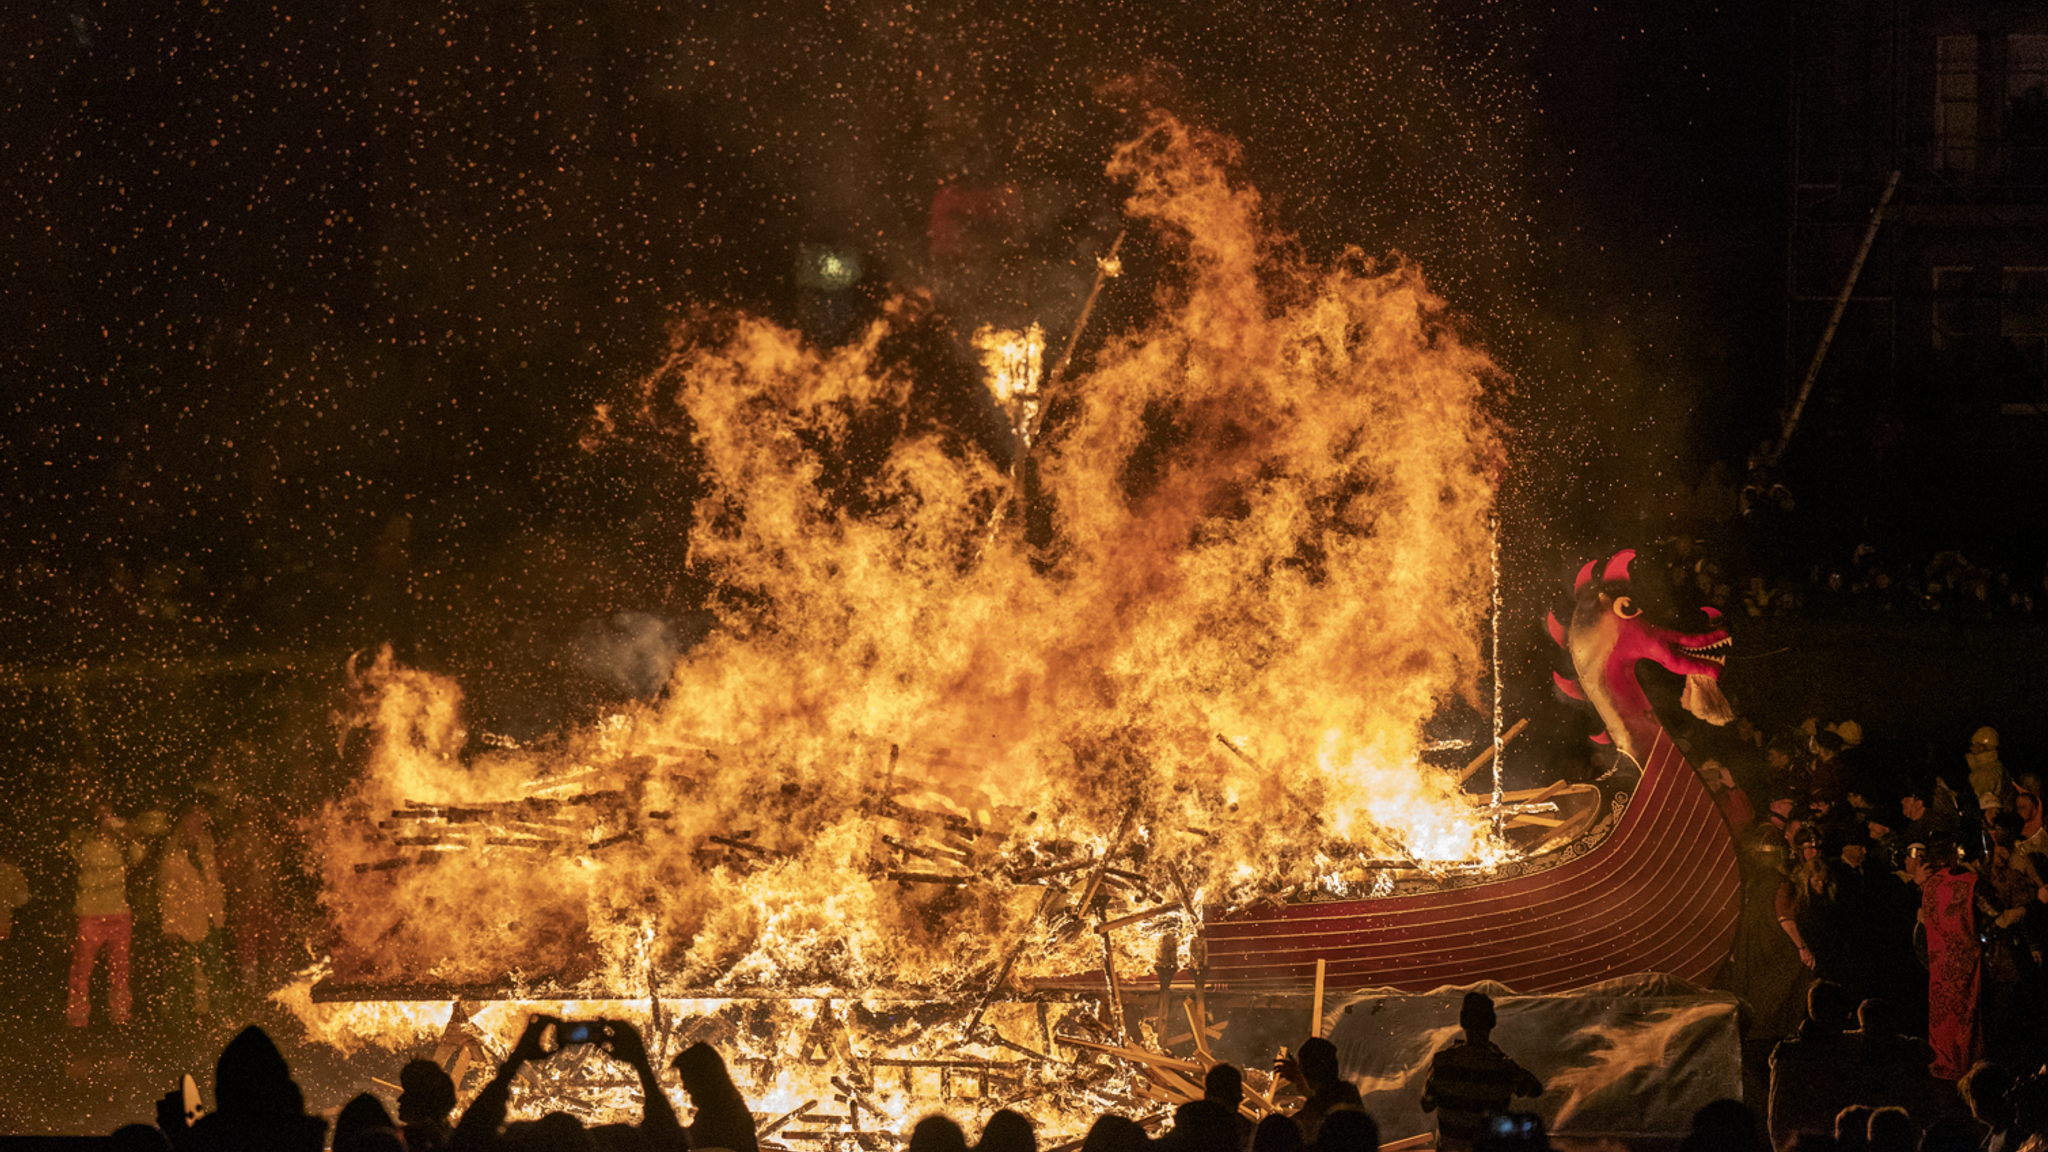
1659 893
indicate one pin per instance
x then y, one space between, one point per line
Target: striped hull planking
1660 893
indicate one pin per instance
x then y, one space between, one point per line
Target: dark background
309 303
308 306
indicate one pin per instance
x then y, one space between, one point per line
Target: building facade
1935 385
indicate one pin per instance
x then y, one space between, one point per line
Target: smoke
635 651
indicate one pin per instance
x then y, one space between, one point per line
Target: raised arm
485 1115
658 1123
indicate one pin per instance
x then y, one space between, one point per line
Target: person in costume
1772 964
1987 773
1955 970
104 850
193 905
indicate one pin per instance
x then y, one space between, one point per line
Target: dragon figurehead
1608 634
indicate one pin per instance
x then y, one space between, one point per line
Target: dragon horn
1556 629
1712 612
1617 568
1568 686
1601 738
1585 577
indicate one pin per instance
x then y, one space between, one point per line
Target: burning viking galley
949 813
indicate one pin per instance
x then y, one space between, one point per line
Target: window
1955 104
2023 323
1953 319
2026 107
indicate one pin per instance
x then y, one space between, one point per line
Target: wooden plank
1138 1055
1316 1018
1140 917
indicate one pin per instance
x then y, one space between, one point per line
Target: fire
917 758
1013 363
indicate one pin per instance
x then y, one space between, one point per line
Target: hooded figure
257 1106
364 1126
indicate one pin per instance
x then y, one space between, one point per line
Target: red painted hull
1659 894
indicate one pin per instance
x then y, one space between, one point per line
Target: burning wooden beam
743 846
775 1125
1136 1055
1140 917
929 878
1034 874
1480 762
935 852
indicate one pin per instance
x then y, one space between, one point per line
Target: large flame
1269 514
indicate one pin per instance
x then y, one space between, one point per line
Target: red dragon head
1608 635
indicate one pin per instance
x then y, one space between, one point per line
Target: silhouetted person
1724 1126
1985 1088
1314 1067
723 1120
1348 1130
257 1106
1472 1079
1852 1128
1007 1131
1277 1133
1892 1067
613 1138
2029 1100
426 1097
1808 1081
936 1133
1892 1130
1951 1134
1223 1085
553 1132
1110 1134
1213 1123
364 1126
482 1121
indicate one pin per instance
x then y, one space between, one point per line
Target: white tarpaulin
1633 1057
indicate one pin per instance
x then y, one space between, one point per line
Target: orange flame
1270 511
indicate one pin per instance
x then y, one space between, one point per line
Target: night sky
307 305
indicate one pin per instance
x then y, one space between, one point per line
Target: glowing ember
905 760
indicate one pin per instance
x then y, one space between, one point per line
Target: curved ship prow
1651 886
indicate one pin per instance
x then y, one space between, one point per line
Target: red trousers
95 933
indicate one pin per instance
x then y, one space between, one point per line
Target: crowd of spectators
1862 583
1890 950
1918 888
258 1107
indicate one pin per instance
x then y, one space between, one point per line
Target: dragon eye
1626 608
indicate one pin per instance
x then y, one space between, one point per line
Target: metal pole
1827 335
